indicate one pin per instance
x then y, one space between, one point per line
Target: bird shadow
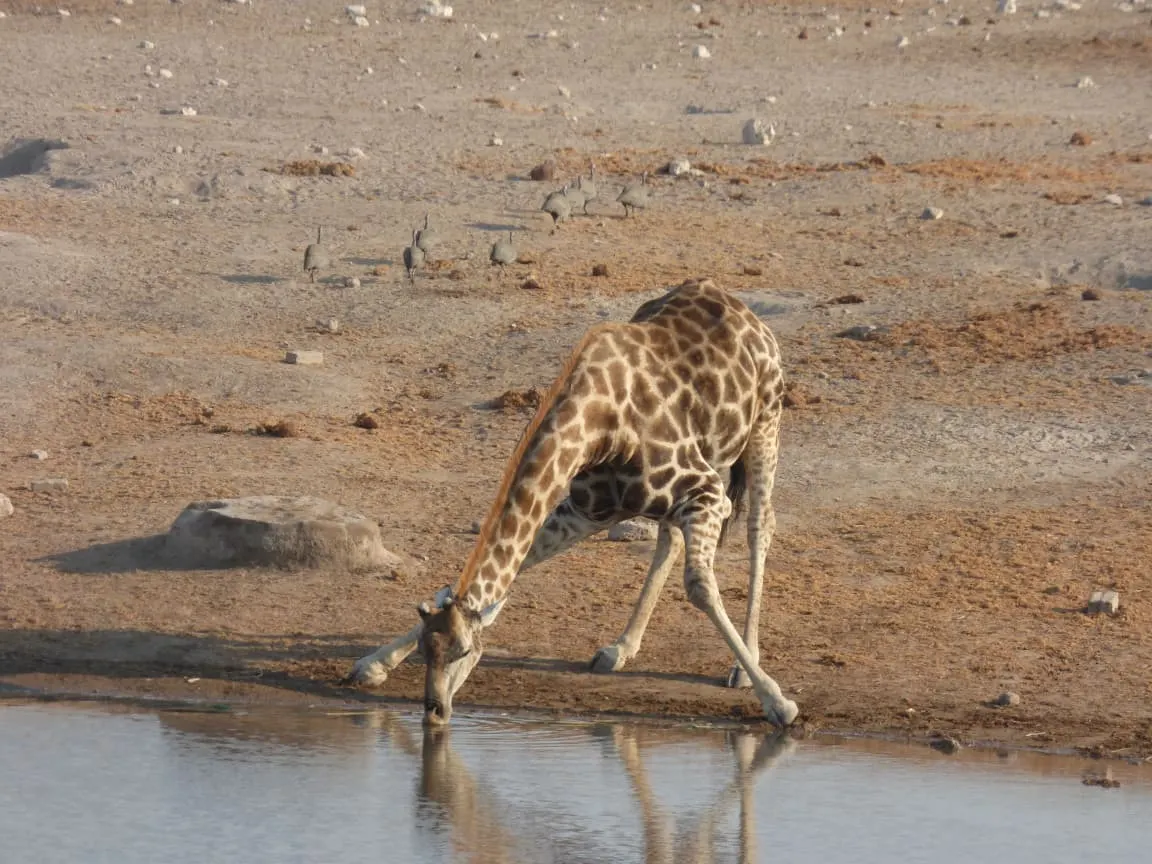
370 262
250 279
494 227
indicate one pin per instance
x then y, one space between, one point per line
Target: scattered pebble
355 153
532 283
328 325
758 132
1007 699
932 213
1091 294
1080 139
695 8
39 455
633 530
219 82
364 420
6 508
436 9
147 46
304 358
113 20
1085 83
356 11
360 21
495 141
1006 7
54 484
188 111
701 52
564 91
860 332
351 282
1106 602
753 270
678 167
599 269
1114 200
165 73
903 42
546 170
63 13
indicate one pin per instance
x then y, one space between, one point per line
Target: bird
427 239
558 206
588 187
315 257
503 253
635 195
577 200
414 255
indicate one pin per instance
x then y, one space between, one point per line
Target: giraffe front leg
612 658
372 670
700 518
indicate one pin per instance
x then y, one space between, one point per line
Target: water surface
128 785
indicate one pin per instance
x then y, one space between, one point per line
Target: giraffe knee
702 593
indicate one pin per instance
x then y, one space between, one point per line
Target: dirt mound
1027 331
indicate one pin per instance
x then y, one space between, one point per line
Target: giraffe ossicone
673 415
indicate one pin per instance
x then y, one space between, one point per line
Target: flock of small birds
561 205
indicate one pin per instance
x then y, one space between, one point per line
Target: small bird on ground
577 200
427 239
558 206
588 187
503 253
413 255
634 196
315 257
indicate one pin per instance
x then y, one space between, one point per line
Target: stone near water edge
51 484
757 132
945 744
633 530
6 508
304 358
932 213
1007 699
279 531
1103 602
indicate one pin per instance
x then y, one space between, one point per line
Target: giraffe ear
488 615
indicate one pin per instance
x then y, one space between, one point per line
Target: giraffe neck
539 480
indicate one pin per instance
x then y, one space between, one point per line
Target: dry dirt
950 491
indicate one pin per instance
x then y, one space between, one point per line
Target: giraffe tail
737 494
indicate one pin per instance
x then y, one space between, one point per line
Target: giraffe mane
494 512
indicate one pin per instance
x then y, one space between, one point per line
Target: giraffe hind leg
700 515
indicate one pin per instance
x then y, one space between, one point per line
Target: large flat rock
276 530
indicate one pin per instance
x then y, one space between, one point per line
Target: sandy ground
947 500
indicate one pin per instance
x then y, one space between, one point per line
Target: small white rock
115 21
178 150
219 82
165 73
328 325
932 213
188 111
175 202
351 282
355 11
1085 83
678 167
564 91
64 13
700 52
304 358
355 153
1106 602
495 141
757 132
633 530
320 148
903 42
147 46
361 21
1006 7
695 8
53 484
1114 199
40 455
6 508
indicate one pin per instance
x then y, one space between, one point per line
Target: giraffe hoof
780 712
607 660
738 679
367 672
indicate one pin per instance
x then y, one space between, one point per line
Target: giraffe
645 419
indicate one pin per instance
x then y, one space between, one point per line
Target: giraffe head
451 643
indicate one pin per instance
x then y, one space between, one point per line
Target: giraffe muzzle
435 714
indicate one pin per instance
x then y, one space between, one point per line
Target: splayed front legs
373 670
612 658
